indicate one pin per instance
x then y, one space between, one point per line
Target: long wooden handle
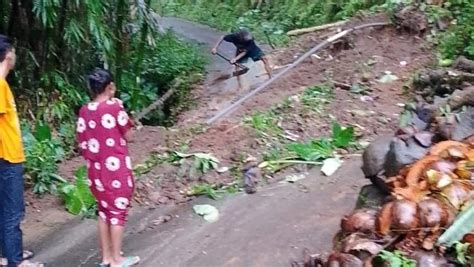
228 60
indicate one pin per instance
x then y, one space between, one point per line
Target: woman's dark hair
98 81
5 46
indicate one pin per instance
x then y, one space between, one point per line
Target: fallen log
441 82
316 28
464 64
341 85
455 101
452 77
159 102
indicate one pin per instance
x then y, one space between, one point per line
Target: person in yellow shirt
12 206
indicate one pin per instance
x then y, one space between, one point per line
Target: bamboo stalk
316 28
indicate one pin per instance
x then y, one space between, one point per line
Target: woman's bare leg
105 242
116 233
117 239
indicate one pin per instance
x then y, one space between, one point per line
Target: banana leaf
463 224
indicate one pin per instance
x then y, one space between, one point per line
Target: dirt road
265 229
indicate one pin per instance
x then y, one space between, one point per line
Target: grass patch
314 98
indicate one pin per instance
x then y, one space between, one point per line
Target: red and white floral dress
101 129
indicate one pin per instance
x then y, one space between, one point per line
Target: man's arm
214 50
239 56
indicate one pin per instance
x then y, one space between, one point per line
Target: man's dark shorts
255 55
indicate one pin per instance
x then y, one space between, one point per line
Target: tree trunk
13 26
3 11
60 34
144 34
119 56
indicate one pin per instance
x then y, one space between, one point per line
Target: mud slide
215 96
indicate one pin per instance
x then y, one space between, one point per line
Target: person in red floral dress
103 128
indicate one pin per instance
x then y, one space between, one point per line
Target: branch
316 28
455 101
464 64
159 102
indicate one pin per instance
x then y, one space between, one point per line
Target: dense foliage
272 19
459 39
267 19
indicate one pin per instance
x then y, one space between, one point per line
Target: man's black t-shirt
248 46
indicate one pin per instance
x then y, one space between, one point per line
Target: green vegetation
43 152
312 152
270 20
463 224
267 19
282 148
459 38
201 163
204 190
462 253
316 97
153 160
77 197
396 259
265 123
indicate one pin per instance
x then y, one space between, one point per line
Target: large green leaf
78 197
206 156
83 190
312 151
463 224
42 132
57 177
342 137
74 205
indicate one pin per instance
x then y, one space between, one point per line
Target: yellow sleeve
3 96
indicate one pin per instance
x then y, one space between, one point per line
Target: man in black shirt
246 48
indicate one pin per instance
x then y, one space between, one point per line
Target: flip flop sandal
129 261
28 254
102 264
31 264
